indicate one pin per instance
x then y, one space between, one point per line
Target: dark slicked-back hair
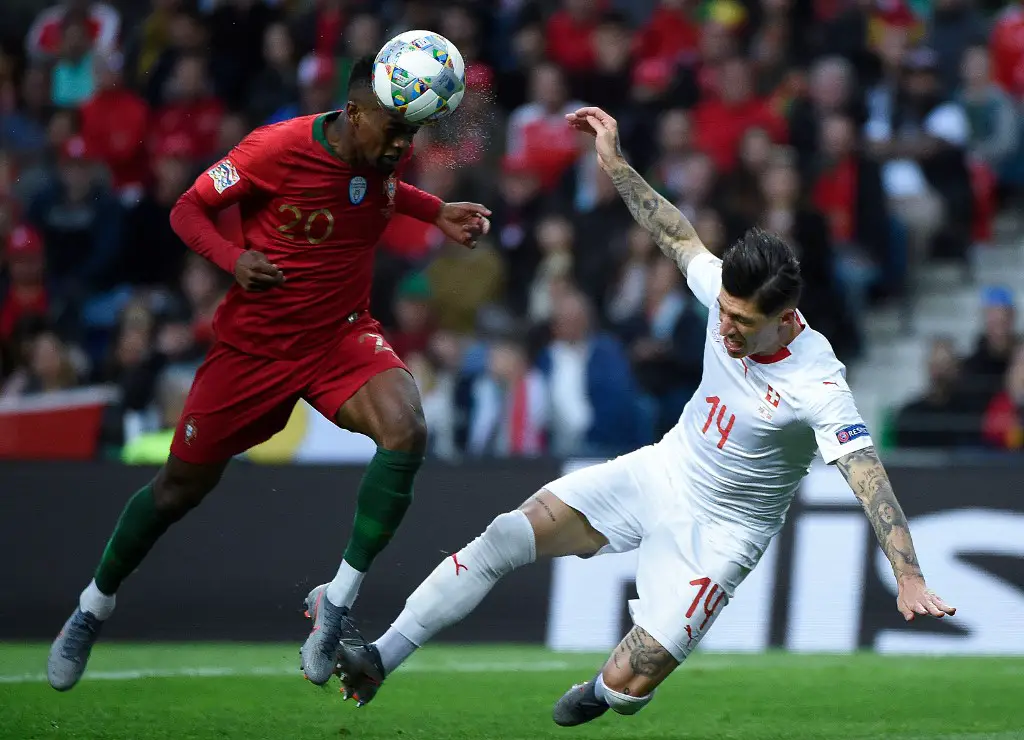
361 76
762 267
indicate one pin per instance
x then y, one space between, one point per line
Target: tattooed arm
672 232
674 235
870 483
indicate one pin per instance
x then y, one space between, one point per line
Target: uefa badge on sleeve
224 175
850 433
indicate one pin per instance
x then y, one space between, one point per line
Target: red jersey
314 216
1007 45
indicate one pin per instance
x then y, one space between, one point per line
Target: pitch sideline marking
538 666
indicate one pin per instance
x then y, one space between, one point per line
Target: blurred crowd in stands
873 134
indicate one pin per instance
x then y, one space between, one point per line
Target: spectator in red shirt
26 271
103 24
570 34
671 32
1003 424
537 129
114 126
848 191
192 109
720 124
1007 44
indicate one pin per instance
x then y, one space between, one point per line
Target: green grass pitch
255 692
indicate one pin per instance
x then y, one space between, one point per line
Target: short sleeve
837 424
704 276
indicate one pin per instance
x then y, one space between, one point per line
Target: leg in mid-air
543 527
177 488
629 503
387 409
236 402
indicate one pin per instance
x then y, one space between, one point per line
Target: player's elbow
183 210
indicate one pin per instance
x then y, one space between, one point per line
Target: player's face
745 330
383 137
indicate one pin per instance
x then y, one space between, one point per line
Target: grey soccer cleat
578 705
330 624
361 670
69 653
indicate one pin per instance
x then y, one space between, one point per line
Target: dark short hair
762 267
361 75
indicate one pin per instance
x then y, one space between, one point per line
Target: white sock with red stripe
458 584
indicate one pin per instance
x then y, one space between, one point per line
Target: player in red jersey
315 193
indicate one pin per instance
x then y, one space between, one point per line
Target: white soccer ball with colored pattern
421 75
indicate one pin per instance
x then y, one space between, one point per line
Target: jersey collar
782 352
320 132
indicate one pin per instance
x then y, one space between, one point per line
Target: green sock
384 495
138 529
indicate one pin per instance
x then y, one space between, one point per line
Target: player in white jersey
701 505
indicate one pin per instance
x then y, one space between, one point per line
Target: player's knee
407 433
176 493
509 543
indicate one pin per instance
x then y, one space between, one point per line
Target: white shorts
687 567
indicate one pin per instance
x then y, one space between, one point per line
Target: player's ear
353 112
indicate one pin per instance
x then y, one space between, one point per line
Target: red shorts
239 400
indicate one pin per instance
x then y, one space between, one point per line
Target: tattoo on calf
646 657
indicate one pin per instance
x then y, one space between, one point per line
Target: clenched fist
254 272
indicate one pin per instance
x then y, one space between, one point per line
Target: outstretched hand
463 223
603 128
916 598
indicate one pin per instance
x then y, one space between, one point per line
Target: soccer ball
421 75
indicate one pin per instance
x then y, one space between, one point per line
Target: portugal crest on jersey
356 190
390 188
224 175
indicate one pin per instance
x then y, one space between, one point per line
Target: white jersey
749 434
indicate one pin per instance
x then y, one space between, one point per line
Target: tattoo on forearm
866 476
646 657
674 235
